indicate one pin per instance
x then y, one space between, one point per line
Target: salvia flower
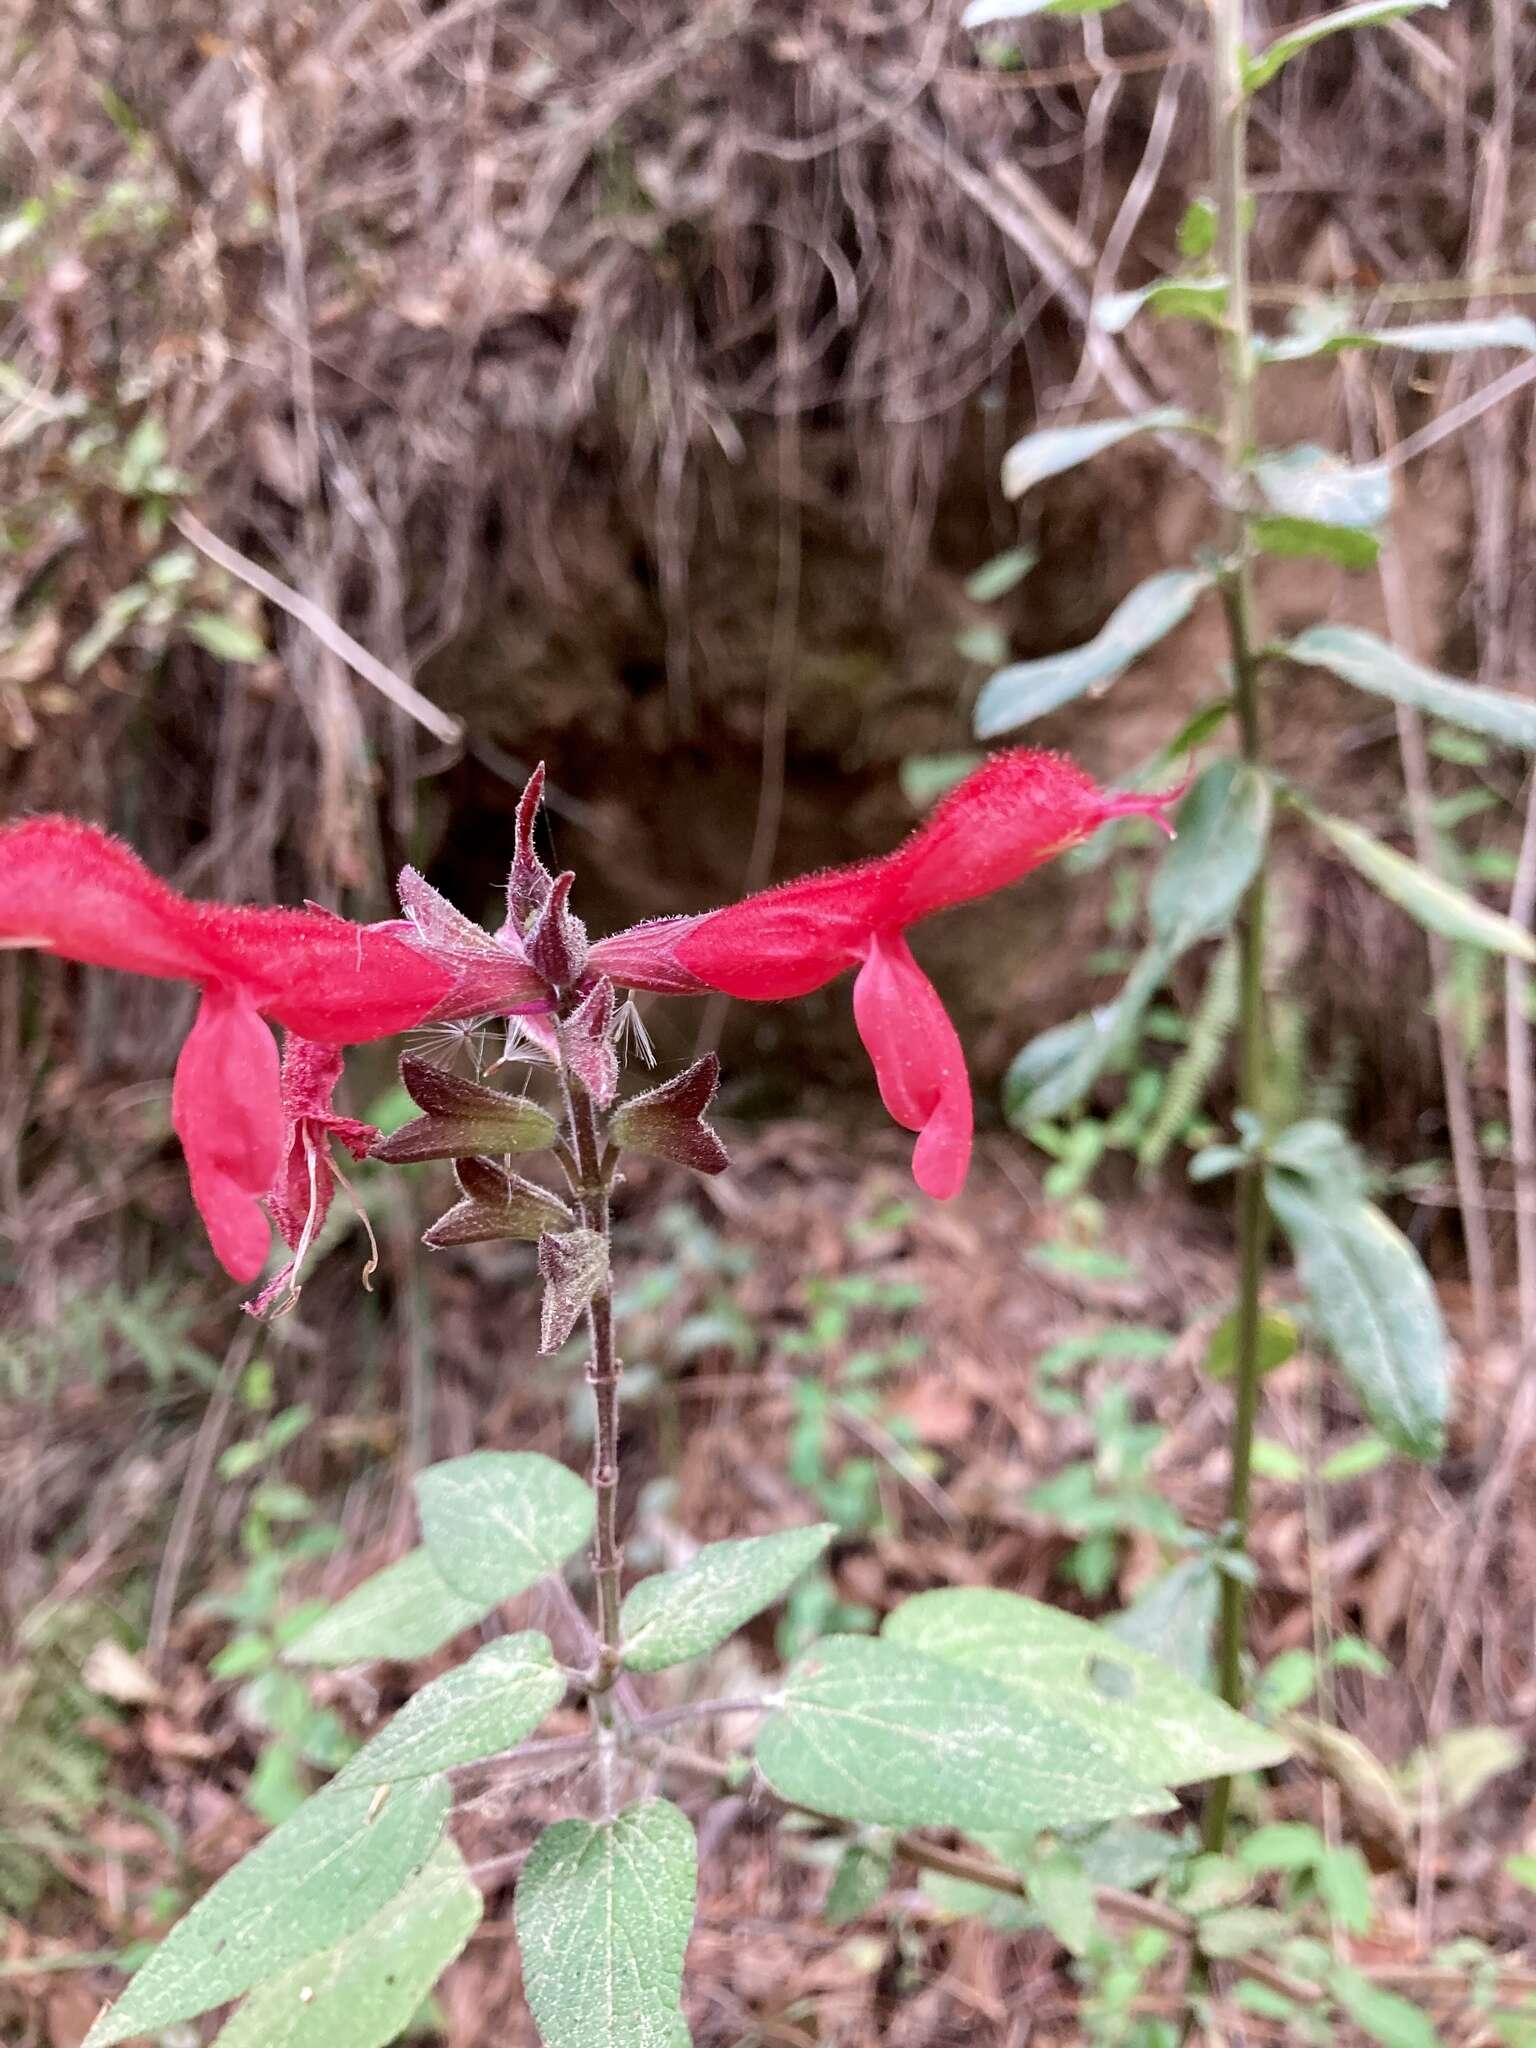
70 889
1016 811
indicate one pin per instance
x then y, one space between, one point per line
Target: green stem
603 1371
1230 148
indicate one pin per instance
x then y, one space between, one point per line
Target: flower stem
1229 114
603 1371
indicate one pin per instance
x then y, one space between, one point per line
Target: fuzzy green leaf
1432 902
1055 449
484 1706
1130 1707
1376 1306
673 1616
496 1522
872 1730
364 1992
406 1610
1371 664
1029 689
342 1857
604 1911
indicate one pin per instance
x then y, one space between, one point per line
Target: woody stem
1230 144
603 1369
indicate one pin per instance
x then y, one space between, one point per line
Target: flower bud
586 1043
497 1205
462 1118
668 1122
529 882
574 1267
556 942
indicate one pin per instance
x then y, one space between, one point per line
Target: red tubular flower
70 889
1016 811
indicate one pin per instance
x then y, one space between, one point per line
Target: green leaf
1316 333
1061 1892
1053 1073
1239 1930
1197 229
496 1522
1283 1845
1431 902
230 639
1371 664
1223 825
1029 689
1352 547
996 578
984 13
364 1992
1354 1460
1171 298
604 1910
1173 1617
673 1616
1376 1306
1055 449
1343 1880
871 1730
858 1884
1149 1719
1259 70
407 1610
314 1880
1278 1339
986 645
1380 2013
487 1705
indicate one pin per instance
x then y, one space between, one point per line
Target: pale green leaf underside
604 1910
987 13
1155 1724
1029 689
871 1730
1376 1306
1055 449
672 1616
496 1522
1324 336
406 1610
1371 664
487 1705
1260 69
315 1879
1435 904
1308 482
364 1992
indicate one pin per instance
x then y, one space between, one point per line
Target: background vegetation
393 395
